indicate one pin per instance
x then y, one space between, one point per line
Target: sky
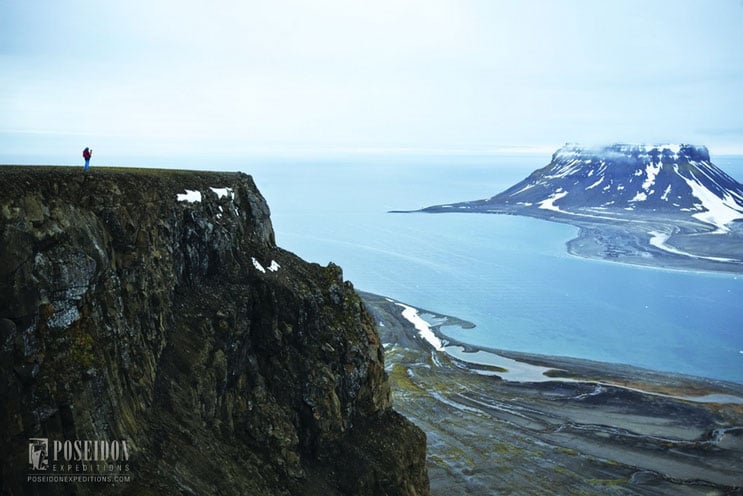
138 79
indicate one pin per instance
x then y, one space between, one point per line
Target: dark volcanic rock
227 364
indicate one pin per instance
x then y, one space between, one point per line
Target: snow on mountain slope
662 178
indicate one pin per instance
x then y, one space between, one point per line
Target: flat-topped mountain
659 193
666 179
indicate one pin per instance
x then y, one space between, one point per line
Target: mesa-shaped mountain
677 181
663 205
155 307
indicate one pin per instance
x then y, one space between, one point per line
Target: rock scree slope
154 307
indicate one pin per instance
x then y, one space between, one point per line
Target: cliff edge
151 313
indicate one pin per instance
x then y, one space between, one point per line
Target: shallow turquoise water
509 275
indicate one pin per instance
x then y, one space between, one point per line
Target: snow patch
718 211
531 185
641 196
664 197
652 171
565 170
189 196
222 192
424 329
596 183
258 265
273 267
549 203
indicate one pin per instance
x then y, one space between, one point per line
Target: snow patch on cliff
222 192
190 196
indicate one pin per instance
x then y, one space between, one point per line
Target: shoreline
633 240
637 242
607 244
555 368
591 428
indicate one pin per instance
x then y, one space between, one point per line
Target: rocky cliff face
154 308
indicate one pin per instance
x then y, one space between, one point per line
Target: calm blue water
511 276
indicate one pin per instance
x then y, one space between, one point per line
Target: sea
509 275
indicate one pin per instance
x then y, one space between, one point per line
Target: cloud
418 74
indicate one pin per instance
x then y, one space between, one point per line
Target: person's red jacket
86 154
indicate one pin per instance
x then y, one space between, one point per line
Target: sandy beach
501 422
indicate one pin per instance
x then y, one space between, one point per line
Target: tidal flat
584 428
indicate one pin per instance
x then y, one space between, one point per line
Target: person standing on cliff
87 153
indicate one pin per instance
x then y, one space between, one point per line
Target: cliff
152 310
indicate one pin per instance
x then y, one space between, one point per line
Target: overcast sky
146 77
